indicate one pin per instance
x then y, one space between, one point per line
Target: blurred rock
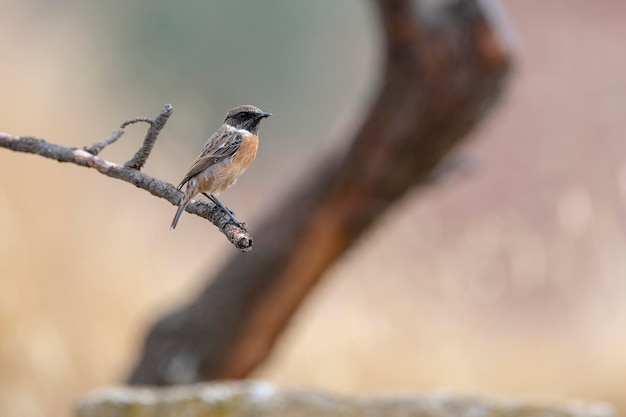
259 399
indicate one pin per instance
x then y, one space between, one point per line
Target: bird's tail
179 212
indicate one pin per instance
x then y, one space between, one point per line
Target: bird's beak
264 114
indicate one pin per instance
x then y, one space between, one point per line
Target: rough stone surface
261 399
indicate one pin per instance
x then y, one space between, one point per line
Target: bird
225 156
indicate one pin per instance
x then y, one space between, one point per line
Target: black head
246 117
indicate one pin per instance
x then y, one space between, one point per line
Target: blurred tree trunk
446 64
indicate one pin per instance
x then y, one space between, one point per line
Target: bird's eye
242 116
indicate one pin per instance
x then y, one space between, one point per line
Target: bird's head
246 117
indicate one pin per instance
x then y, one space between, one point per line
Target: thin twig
156 126
233 230
136 120
96 148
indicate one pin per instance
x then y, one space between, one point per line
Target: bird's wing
222 145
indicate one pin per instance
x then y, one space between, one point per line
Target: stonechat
225 156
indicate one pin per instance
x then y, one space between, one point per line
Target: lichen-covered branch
234 231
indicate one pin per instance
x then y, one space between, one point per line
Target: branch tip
7 137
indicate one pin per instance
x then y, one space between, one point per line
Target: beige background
512 276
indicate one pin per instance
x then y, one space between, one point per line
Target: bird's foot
225 210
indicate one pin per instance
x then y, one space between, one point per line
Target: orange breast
221 176
247 152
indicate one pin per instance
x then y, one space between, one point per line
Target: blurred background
512 279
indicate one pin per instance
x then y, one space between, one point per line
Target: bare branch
156 125
96 148
134 120
234 230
